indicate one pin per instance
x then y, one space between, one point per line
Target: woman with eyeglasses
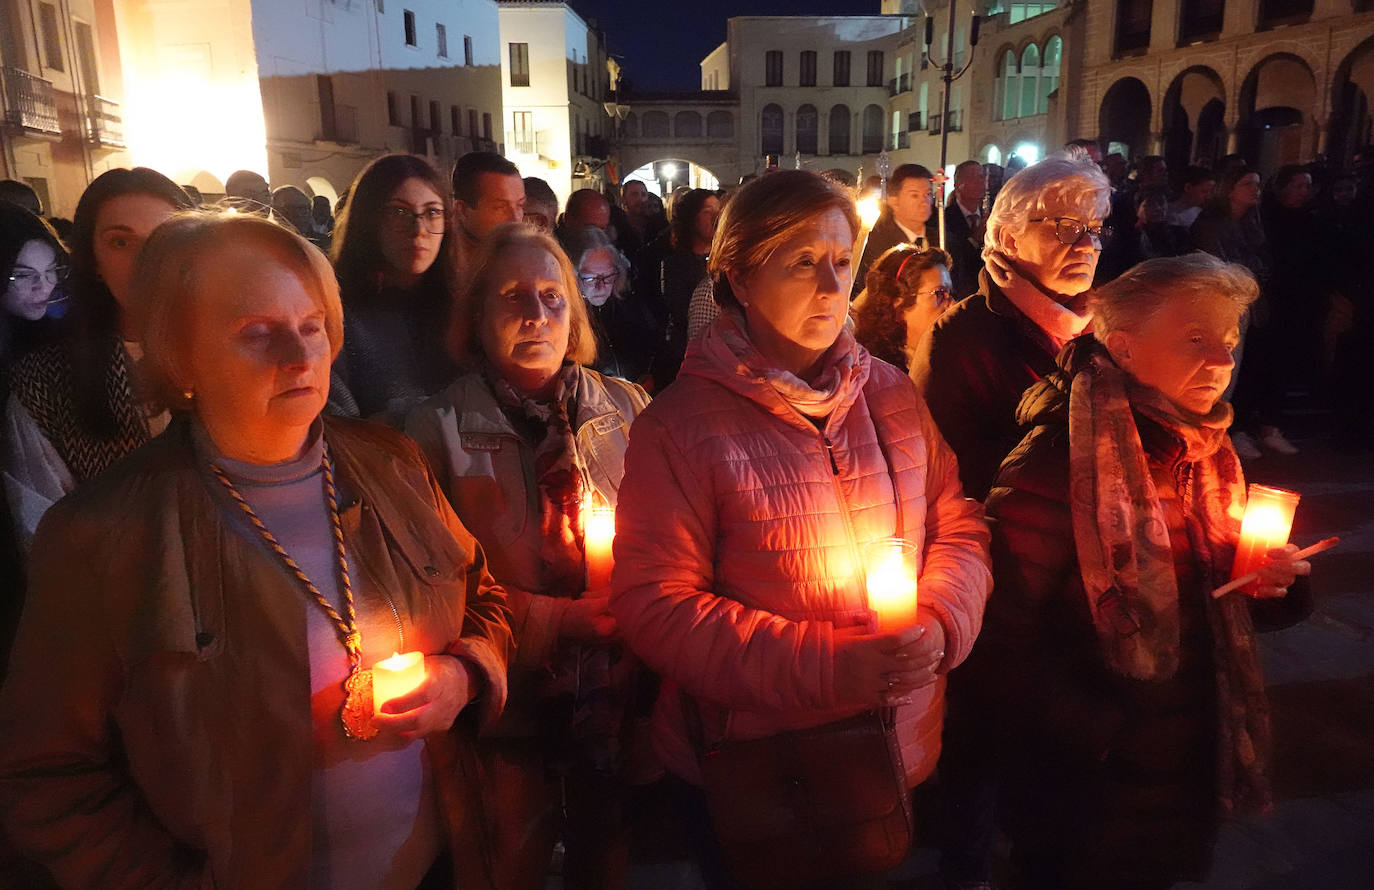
33 263
624 326
523 443
1044 237
76 406
904 292
389 254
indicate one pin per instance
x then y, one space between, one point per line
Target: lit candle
890 574
395 676
1265 525
869 209
598 533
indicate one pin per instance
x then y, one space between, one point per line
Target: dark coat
885 235
966 252
973 366
156 725
1110 781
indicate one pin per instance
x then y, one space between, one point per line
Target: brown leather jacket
155 730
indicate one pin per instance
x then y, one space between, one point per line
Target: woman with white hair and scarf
1044 236
1134 696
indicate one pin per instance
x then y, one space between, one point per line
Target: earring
188 395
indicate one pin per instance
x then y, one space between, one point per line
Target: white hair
1128 302
1058 180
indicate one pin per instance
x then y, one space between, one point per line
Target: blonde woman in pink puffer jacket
754 482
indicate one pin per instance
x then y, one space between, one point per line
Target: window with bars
772 68
519 64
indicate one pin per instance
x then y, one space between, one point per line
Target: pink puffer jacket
739 529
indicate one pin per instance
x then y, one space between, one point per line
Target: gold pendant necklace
356 714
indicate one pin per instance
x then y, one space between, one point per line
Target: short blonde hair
1134 297
465 331
763 215
167 278
1078 183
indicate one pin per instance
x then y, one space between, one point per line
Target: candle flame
869 209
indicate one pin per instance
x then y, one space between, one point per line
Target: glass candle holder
1266 524
890 567
598 535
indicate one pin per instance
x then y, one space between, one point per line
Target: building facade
555 84
61 86
307 93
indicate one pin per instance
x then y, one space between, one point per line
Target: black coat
1110 781
885 235
966 253
973 367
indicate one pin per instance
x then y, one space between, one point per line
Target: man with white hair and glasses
1044 237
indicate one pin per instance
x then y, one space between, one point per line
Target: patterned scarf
817 399
1127 564
584 691
559 474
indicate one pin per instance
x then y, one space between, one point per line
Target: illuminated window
1049 71
1030 77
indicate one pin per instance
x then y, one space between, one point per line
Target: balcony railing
902 138
520 142
105 126
29 102
933 125
898 85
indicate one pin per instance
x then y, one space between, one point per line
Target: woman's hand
432 707
1277 575
999 270
882 669
588 619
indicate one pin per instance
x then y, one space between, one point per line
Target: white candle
890 576
395 676
598 534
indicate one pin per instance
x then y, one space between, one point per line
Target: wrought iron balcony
933 123
104 125
29 102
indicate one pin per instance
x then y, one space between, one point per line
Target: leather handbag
811 804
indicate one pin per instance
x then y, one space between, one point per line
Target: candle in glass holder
1267 521
869 209
395 676
598 534
890 575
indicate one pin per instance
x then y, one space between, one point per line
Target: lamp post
949 76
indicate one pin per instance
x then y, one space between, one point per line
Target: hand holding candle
444 685
890 577
1267 521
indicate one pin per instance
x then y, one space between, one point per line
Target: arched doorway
1125 116
1352 121
1194 115
1276 102
209 185
663 175
318 186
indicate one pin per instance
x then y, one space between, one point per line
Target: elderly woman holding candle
1133 695
525 443
190 701
753 486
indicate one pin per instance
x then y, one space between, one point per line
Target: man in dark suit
964 227
907 219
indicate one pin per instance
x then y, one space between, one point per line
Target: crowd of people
251 451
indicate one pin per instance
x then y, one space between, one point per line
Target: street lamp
949 76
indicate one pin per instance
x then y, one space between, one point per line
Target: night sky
661 42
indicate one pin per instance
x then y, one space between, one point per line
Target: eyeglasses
538 220
402 219
1070 231
599 280
941 294
51 276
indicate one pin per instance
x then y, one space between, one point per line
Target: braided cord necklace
356 714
